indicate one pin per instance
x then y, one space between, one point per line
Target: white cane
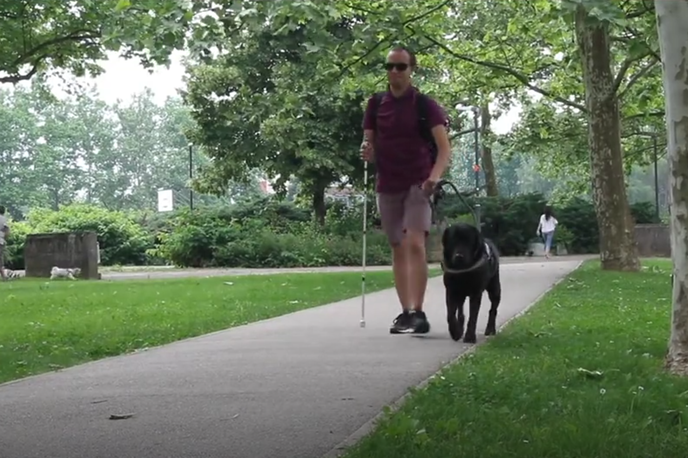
365 230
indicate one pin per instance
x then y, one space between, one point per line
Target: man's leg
417 222
391 208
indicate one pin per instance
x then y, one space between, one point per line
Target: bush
14 250
122 240
268 233
207 238
511 222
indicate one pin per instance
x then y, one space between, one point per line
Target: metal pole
654 146
476 140
477 147
190 176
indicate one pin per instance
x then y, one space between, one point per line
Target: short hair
412 55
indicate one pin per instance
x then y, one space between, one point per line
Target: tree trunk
318 202
486 152
672 25
618 249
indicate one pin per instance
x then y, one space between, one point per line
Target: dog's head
76 271
462 245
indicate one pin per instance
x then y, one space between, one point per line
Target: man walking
4 233
406 179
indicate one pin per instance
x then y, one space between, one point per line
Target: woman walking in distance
546 227
407 172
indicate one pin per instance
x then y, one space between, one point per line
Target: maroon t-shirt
402 156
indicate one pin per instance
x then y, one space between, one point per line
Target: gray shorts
405 211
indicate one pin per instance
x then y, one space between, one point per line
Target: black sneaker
419 323
401 324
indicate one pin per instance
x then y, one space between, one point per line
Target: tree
672 25
618 248
54 34
260 108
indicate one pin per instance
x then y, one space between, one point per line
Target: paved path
290 387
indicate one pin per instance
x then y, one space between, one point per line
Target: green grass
51 325
526 393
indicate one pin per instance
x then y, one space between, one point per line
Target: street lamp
476 139
190 175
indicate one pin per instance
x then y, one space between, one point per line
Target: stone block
62 249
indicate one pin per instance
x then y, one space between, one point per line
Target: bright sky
124 78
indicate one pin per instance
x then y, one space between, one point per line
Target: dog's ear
445 236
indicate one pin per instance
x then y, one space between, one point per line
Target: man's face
398 68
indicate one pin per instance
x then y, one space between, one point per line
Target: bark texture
492 189
672 24
618 249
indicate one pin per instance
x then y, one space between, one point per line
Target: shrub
205 238
121 239
511 222
14 249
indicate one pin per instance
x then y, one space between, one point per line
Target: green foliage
121 239
277 236
14 249
511 222
74 36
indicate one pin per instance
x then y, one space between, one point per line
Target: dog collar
483 259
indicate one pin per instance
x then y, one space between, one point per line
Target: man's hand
367 151
430 184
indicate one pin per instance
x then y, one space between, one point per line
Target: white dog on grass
57 272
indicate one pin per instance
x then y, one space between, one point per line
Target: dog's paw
491 328
470 338
455 330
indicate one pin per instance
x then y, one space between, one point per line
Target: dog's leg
494 292
455 316
474 304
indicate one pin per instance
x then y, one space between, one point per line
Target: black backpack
422 111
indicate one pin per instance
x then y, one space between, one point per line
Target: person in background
4 233
546 227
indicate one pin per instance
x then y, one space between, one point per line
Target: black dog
471 266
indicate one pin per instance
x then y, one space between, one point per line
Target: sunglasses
389 66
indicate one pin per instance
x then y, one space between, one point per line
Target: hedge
511 222
270 233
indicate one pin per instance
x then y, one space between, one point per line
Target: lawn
579 376
51 325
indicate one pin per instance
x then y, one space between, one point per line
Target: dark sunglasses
389 66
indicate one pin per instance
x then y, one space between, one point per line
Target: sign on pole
165 200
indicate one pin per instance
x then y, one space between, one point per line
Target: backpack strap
423 122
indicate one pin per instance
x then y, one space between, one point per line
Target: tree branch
369 52
651 114
635 78
462 133
510 71
622 74
426 14
14 79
